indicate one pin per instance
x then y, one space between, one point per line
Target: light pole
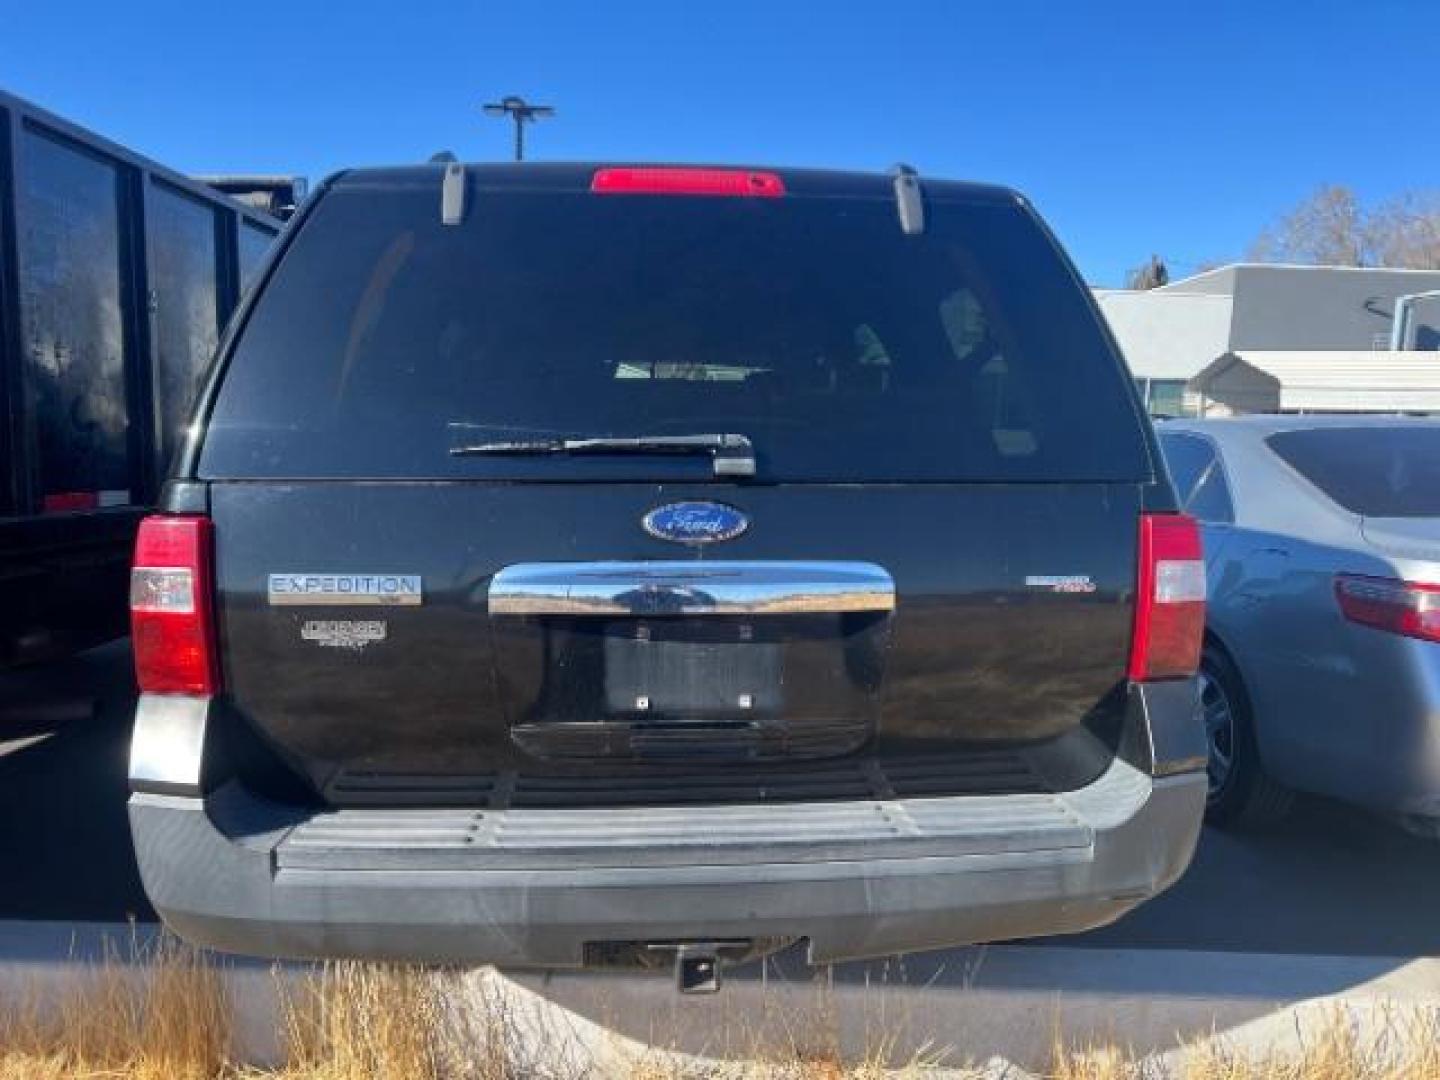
522 112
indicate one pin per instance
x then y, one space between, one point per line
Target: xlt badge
290 590
695 522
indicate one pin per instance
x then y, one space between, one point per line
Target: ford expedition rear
591 565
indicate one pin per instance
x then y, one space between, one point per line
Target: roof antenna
522 112
452 194
907 200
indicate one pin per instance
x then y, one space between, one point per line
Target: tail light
662 181
1399 607
171 616
1169 599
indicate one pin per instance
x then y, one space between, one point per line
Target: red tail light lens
170 607
1169 599
765 185
1399 607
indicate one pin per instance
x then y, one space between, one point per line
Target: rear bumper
225 872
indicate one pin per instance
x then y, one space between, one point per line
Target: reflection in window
968 331
1211 499
72 324
964 322
182 281
1187 457
254 243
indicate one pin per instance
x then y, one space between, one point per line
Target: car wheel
1240 793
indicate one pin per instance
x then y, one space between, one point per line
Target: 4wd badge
343 633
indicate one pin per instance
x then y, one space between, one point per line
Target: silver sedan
1321 669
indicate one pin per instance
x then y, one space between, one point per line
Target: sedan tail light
1400 607
1169 599
171 615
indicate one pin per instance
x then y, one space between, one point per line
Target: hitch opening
698 963
697 972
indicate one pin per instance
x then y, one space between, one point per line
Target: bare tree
1405 231
1332 227
1150 276
1327 228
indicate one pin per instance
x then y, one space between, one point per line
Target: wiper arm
733 455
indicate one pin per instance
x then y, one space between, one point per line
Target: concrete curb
1015 1002
1006 1004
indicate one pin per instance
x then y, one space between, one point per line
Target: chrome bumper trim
168 742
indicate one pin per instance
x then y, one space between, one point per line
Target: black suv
576 565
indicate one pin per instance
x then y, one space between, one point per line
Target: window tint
1211 499
186 312
1374 471
72 323
843 348
1199 476
254 243
1187 457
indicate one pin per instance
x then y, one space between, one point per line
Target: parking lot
1331 881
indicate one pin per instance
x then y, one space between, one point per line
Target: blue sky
1178 128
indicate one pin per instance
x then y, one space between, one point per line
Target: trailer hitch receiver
698 963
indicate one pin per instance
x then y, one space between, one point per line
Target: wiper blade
607 444
733 455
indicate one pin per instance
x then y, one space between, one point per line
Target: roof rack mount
452 194
908 202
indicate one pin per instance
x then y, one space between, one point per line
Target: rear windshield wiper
733 455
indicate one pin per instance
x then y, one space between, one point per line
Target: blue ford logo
695 522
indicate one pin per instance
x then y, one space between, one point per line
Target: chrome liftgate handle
670 587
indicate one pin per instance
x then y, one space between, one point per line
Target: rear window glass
1372 471
1187 458
844 349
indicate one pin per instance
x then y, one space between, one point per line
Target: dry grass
170 1023
1401 1044
169 1017
347 1022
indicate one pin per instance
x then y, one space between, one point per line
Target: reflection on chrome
662 587
167 742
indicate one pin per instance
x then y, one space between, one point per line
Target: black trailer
279 196
116 276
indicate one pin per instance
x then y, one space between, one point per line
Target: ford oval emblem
695 522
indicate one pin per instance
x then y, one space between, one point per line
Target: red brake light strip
687 181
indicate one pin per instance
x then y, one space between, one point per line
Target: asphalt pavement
65 849
1332 880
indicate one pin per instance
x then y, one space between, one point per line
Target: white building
1167 338
1327 328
